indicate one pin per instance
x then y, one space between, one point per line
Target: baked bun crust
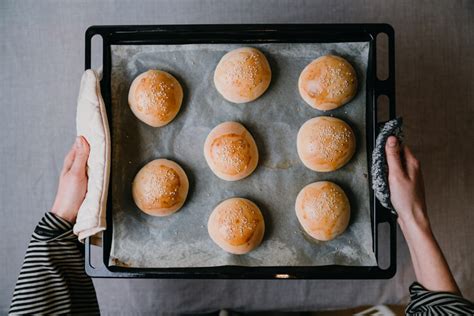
328 82
230 151
242 75
155 97
160 188
323 210
325 143
236 225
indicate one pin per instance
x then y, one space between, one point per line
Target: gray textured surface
273 119
42 49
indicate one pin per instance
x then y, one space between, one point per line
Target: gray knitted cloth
379 169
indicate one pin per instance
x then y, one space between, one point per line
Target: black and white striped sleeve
424 302
52 279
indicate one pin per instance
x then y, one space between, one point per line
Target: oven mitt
91 123
379 161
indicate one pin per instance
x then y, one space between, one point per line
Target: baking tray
248 34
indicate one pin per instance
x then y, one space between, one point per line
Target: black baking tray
248 34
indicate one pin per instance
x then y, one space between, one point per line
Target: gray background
42 58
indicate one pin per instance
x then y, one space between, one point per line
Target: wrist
64 215
414 220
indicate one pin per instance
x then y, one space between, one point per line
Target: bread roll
160 188
325 143
323 210
328 83
242 75
236 225
155 97
230 151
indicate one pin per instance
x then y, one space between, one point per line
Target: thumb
82 154
392 149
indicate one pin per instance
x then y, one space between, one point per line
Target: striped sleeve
52 279
424 302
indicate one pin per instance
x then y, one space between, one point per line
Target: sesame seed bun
323 210
155 97
242 75
236 225
325 143
160 188
230 151
328 83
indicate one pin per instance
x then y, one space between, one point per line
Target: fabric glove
379 170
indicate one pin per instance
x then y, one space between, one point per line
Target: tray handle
385 87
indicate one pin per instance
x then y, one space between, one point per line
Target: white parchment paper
181 240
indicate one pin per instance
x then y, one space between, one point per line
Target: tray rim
254 33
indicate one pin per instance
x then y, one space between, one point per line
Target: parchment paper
181 240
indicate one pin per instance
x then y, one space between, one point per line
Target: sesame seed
325 141
231 153
162 187
237 222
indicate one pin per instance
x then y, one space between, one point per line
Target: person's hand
72 182
407 192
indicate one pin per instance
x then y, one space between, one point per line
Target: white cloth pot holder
91 123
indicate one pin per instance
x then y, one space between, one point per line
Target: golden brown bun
328 83
242 75
160 187
323 210
325 143
230 151
236 225
155 97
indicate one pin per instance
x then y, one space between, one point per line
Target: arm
52 279
408 198
439 291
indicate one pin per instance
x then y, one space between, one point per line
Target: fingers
82 154
412 164
69 159
392 149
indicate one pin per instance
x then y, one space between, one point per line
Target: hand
407 192
72 182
